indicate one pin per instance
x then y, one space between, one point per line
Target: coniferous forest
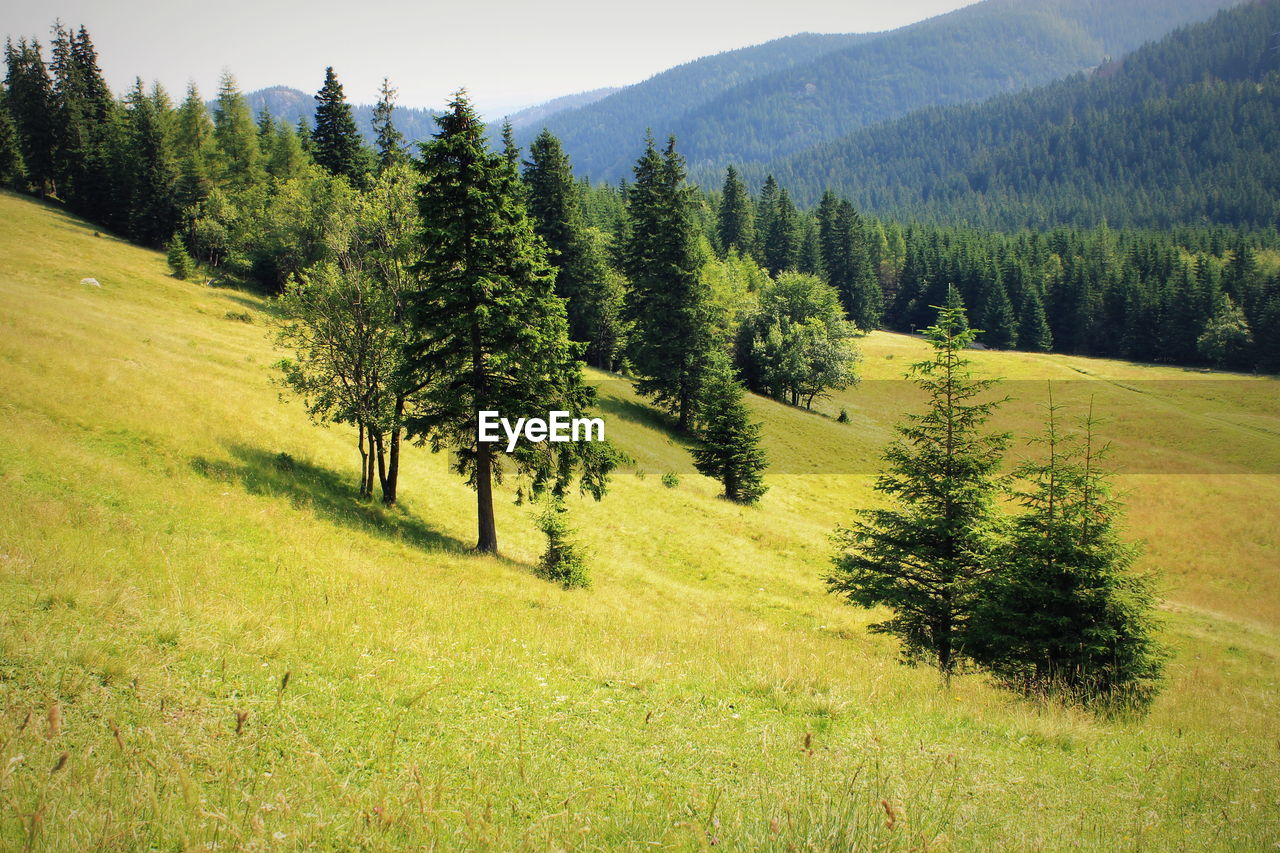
735 301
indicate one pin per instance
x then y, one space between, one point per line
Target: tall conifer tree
30 99
554 205
735 225
390 141
669 301
336 141
239 157
487 332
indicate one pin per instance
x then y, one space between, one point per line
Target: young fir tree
735 225
335 139
1066 616
730 443
925 555
669 302
564 561
180 263
955 305
390 141
486 330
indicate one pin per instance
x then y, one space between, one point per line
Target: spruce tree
180 263
83 108
1066 615
238 155
1034 334
152 211
554 206
390 141
782 241
729 449
30 100
924 556
194 150
486 330
668 302
13 172
1000 323
335 139
766 212
735 225
847 263
510 151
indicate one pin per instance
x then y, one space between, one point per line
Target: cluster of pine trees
1044 599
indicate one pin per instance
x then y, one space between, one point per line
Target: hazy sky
508 53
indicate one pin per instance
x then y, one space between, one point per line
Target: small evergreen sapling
564 561
180 263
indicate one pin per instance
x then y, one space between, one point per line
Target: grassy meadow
207 642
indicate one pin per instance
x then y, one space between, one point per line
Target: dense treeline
1184 130
264 201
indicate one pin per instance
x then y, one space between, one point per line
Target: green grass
163 568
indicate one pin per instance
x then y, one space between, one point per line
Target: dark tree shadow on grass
326 493
642 414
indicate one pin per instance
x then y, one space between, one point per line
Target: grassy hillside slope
176 544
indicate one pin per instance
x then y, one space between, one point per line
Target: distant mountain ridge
537 113
761 103
417 124
290 105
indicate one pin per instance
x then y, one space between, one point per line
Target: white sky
508 53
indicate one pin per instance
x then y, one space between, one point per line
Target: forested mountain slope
602 137
1185 130
765 102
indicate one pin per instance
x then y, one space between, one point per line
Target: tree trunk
487 543
381 447
393 460
365 486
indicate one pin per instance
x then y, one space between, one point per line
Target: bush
670 479
564 561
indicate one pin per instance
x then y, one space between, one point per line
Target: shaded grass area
330 496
